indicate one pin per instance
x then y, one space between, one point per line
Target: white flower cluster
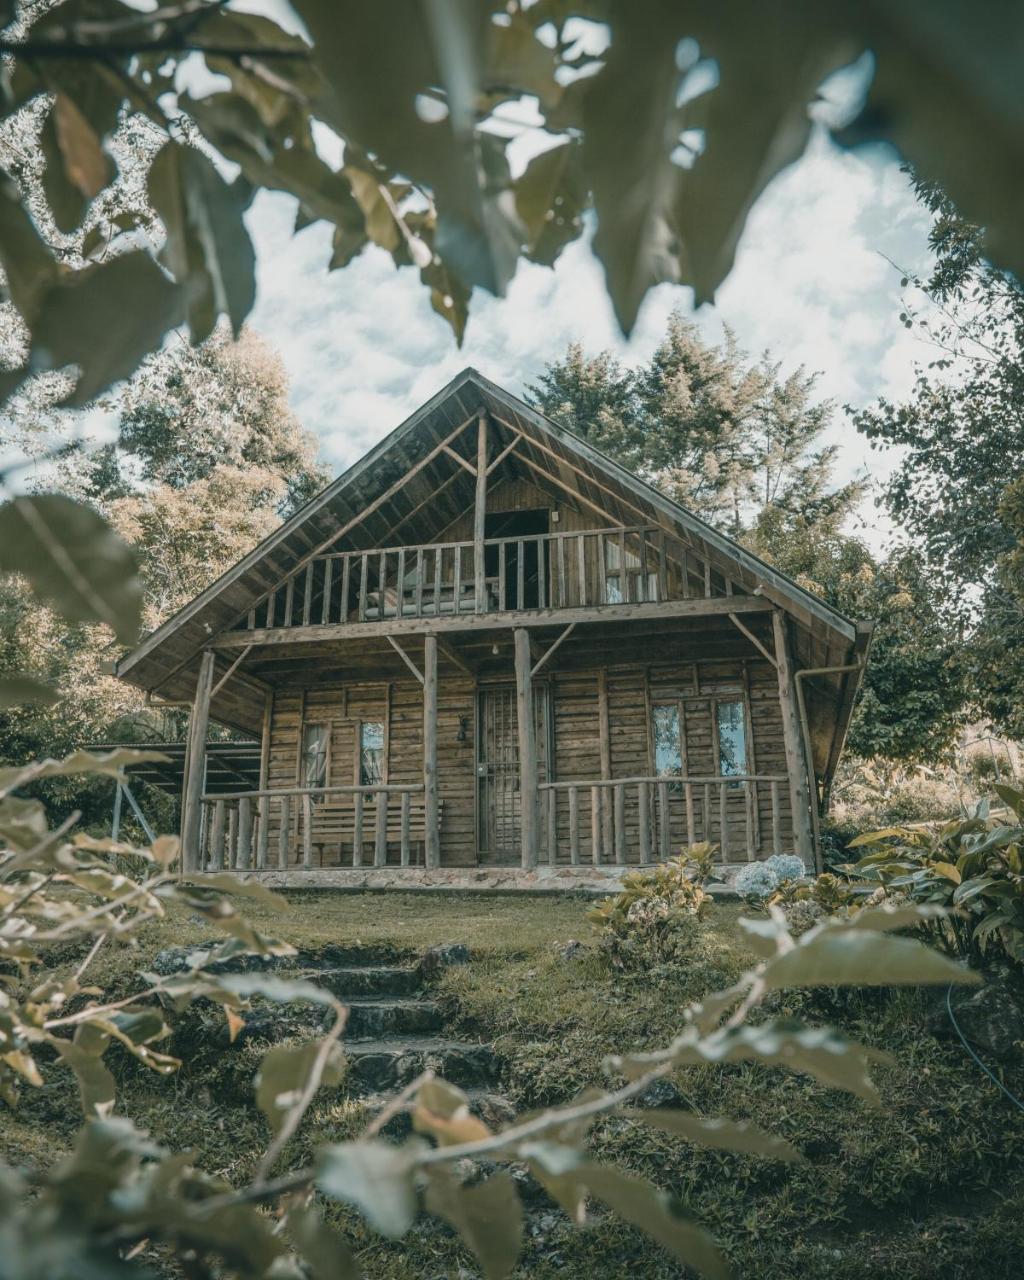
801 916
646 912
787 866
756 880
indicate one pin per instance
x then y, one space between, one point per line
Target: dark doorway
522 564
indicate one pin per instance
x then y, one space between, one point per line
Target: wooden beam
695 607
528 818
480 516
405 658
753 640
197 726
460 460
449 651
431 836
544 657
792 734
230 671
579 497
505 452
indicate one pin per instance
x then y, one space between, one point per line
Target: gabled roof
349 514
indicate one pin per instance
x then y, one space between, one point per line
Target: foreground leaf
488 1217
376 1177
283 1074
838 957
726 1135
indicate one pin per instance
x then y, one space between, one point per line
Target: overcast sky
812 283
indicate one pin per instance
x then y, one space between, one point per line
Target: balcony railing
575 569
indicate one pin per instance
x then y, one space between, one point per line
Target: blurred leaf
726 1135
17 690
839 957
274 988
642 1204
66 200
87 167
84 1055
105 764
283 1074
442 1111
327 1252
105 319
28 265
22 822
208 249
551 195
488 1217
374 1176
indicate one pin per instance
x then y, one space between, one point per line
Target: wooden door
499 825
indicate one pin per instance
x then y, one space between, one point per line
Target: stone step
373 1018
492 1108
387 1064
355 955
354 982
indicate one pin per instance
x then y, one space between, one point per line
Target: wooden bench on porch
356 829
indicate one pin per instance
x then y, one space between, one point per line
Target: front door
497 770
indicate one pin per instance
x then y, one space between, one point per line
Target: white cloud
811 282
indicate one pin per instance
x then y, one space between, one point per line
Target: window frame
324 727
738 699
361 723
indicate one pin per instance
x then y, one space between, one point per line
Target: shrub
773 880
655 916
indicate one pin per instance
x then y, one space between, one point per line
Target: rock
435 959
181 959
992 1018
660 1093
569 950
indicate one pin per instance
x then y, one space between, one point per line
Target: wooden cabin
488 644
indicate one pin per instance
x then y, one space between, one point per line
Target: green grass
929 1187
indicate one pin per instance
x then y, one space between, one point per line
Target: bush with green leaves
972 868
773 879
654 918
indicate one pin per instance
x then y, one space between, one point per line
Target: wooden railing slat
284 831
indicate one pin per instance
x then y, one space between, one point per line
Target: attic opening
517 525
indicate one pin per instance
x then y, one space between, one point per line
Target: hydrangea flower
787 866
647 912
803 915
756 880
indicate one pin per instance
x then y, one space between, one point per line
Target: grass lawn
929 1187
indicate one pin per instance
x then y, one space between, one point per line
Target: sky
812 282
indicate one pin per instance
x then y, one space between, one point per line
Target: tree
956 489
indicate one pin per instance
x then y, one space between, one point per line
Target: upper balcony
571 570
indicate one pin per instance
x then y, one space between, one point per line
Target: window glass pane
371 753
314 755
732 739
612 589
668 754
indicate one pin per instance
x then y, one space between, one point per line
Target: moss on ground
929 1187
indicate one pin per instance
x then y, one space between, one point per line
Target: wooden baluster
602 569
364 571
581 566
307 831
244 859
520 574
664 818
438 578
400 585
552 826
662 568
289 602
723 818
420 558
684 561
271 602
750 820
502 569
595 826
643 566
691 826
346 583
307 595
623 575
284 831
380 835
250 620
542 593
457 579
707 811
406 826
264 832
619 807
776 819
574 826
357 830
560 557
382 582
643 808
325 609
217 836
232 836
707 577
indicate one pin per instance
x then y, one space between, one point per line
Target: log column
797 764
199 721
527 748
480 514
431 839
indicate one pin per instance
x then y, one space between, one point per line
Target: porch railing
562 570
349 825
603 820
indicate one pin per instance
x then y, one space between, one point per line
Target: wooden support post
198 723
243 860
796 762
431 836
283 831
527 748
479 515
217 836
574 826
263 833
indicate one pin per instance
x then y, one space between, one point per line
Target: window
668 749
315 740
632 582
732 738
371 753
